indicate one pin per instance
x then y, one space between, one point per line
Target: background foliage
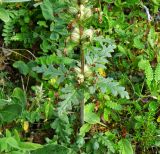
79 76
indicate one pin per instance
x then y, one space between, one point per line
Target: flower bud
87 71
88 34
85 12
75 35
73 10
80 78
84 1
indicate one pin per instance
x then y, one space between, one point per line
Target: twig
23 83
27 51
27 83
147 12
8 52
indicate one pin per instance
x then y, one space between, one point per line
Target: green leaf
47 109
10 112
51 72
131 3
156 2
16 135
84 129
69 96
20 95
54 149
47 10
142 64
42 24
3 144
125 147
12 142
54 36
15 1
8 133
4 15
22 67
62 127
29 146
149 73
108 85
152 36
113 105
45 46
138 43
4 102
153 106
17 152
89 116
53 59
122 49
157 73
106 114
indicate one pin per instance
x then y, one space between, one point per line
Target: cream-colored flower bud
88 34
82 11
73 10
80 78
84 1
85 12
77 70
75 35
87 71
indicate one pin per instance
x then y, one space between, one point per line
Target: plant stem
82 101
82 72
82 67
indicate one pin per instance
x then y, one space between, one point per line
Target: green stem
82 72
82 68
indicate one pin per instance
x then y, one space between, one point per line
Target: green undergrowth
80 77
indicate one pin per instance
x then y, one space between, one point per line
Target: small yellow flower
52 81
102 72
158 119
26 126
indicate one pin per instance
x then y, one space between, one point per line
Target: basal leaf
53 149
4 102
20 95
10 112
12 142
22 67
125 147
29 146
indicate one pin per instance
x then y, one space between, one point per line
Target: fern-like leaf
110 86
8 27
70 96
62 127
50 72
157 73
113 105
149 73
